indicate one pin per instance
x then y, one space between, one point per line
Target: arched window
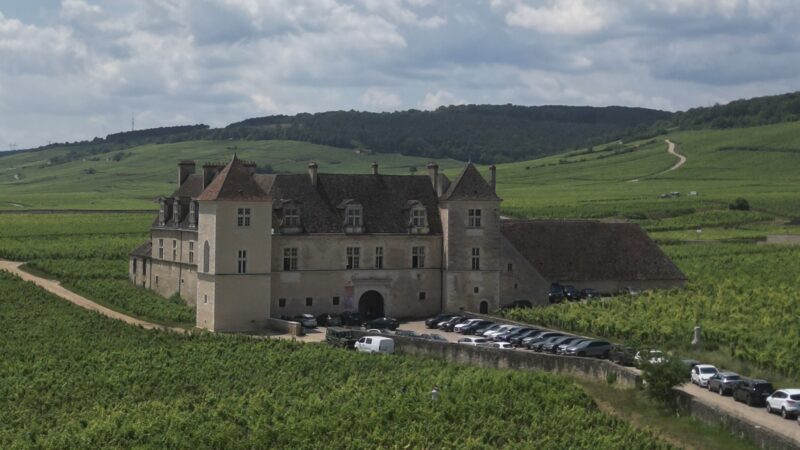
206 256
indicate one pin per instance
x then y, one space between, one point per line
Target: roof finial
235 158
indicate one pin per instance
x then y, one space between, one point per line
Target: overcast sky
75 69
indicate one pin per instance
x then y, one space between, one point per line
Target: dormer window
291 216
419 217
243 217
192 214
353 216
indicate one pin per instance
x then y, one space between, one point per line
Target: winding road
672 150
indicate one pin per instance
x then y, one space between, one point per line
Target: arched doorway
484 308
370 305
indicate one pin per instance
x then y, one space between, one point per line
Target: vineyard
88 253
73 379
744 296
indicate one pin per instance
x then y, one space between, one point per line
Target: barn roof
469 185
589 250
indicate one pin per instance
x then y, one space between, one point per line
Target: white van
375 344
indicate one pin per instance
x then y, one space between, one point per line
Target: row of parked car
504 336
345 318
753 392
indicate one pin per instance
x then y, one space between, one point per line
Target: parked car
350 318
651 356
517 304
701 373
390 323
379 331
460 327
491 334
537 345
508 334
633 291
552 346
329 320
622 355
472 340
590 293
375 344
499 345
784 401
517 339
307 320
723 382
340 337
450 324
555 294
752 392
406 333
472 327
571 293
434 321
600 349
529 342
433 337
491 326
561 349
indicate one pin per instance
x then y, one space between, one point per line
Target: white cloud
561 17
439 98
381 100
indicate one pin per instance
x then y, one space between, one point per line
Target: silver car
600 349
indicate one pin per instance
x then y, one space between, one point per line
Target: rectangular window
353 256
475 289
289 259
205 298
160 249
419 218
510 267
156 280
335 301
291 217
174 250
191 252
241 266
281 302
474 218
418 257
309 301
134 265
243 217
379 257
144 267
476 258
353 216
422 295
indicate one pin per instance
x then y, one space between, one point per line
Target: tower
470 212
234 236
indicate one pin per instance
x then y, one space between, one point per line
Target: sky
74 69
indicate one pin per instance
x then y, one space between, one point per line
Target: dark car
350 318
518 304
753 392
530 341
723 382
555 294
590 293
561 349
433 322
571 293
329 320
506 336
624 356
389 323
551 347
474 326
448 326
516 340
600 349
491 326
539 346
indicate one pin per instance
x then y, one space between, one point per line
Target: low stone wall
588 368
285 326
738 426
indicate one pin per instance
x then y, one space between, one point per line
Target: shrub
660 378
740 204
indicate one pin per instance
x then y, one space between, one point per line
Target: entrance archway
370 305
484 308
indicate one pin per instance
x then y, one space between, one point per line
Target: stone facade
244 247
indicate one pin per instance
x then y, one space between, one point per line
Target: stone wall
738 426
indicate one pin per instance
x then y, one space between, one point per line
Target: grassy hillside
32 180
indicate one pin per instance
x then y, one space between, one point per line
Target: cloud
439 98
377 99
561 17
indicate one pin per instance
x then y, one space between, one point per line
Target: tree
660 378
740 204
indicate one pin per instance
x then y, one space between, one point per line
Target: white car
473 341
375 344
499 345
495 332
701 373
464 324
656 357
785 401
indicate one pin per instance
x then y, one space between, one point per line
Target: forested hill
742 113
483 133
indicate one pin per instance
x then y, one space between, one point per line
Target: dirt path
56 288
672 150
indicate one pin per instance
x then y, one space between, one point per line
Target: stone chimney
374 167
312 173
210 170
185 168
433 173
493 178
250 166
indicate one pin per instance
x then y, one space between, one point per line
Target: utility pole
132 122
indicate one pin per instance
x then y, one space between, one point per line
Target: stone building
243 247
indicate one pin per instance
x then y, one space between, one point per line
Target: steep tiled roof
384 199
234 183
469 185
589 250
191 187
144 250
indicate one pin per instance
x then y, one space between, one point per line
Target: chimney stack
185 168
493 172
250 166
433 173
374 167
210 170
312 173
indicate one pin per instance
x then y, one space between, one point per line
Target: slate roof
562 250
191 187
384 200
469 185
144 250
233 183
